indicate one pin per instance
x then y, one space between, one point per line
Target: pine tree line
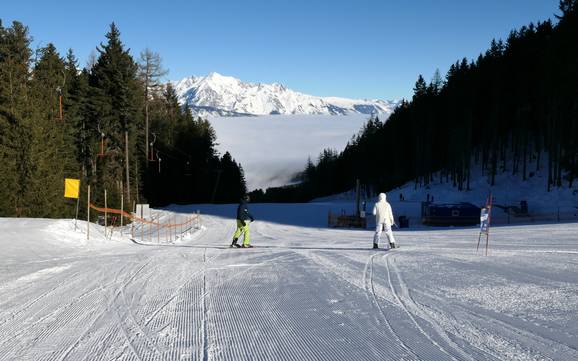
514 105
109 110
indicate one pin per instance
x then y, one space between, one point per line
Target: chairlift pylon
152 157
188 168
159 159
102 135
59 90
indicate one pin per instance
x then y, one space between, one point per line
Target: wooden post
136 185
121 204
132 220
127 164
105 213
88 215
491 201
357 197
76 216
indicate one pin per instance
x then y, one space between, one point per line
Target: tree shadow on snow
309 215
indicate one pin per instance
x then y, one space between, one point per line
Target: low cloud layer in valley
272 149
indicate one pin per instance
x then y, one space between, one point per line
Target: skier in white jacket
383 221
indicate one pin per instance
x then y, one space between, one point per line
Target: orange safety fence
133 217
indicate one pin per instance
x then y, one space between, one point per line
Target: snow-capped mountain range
220 95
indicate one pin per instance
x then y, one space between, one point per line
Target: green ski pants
242 227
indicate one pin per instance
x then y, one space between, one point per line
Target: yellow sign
71 188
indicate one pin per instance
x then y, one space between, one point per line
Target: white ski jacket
382 211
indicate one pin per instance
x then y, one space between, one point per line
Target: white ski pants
379 227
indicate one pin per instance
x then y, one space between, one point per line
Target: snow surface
304 293
216 94
272 149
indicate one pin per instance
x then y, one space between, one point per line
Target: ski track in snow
301 294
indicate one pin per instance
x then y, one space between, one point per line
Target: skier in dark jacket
243 220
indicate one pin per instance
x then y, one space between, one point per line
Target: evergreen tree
15 58
231 185
150 72
99 136
436 83
117 93
567 7
420 88
51 156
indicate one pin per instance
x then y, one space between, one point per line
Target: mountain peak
216 76
217 94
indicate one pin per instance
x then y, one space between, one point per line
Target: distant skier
383 221
243 220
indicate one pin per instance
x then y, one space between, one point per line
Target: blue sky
358 49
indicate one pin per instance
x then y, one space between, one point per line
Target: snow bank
33 238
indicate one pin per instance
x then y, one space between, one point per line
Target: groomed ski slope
304 293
